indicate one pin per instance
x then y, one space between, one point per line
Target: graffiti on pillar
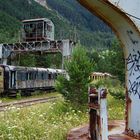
134 87
130 35
133 66
133 62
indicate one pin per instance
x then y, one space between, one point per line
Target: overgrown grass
115 97
49 121
116 108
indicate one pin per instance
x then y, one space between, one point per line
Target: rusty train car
27 79
100 75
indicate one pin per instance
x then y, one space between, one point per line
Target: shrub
114 87
18 95
117 93
75 88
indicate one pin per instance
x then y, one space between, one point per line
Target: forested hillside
77 15
24 9
70 20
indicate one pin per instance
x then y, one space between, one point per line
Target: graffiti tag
133 63
133 66
130 35
134 88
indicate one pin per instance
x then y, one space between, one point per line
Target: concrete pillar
123 16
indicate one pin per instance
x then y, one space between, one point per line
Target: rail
28 102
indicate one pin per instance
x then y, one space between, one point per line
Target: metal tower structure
65 47
37 36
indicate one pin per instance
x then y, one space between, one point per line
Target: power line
129 14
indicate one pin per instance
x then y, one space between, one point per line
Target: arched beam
129 35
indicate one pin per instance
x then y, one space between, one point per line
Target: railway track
27 102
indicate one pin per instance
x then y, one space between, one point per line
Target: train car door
13 79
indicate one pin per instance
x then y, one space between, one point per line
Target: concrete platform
116 129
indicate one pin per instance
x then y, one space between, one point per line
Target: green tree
27 60
111 60
118 61
79 68
49 60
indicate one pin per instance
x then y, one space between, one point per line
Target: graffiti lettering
133 62
134 88
133 66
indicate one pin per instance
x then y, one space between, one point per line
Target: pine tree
79 68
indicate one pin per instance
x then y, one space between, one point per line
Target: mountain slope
77 15
67 16
25 9
43 3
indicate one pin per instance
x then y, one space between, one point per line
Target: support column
123 17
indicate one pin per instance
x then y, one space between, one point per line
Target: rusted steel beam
98 129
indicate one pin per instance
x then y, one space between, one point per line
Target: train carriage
27 79
99 75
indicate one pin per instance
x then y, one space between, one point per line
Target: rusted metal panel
93 118
98 122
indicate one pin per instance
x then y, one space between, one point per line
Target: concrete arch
129 35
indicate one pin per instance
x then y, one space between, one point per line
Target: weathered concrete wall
126 27
131 8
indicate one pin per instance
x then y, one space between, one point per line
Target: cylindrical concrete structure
123 17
